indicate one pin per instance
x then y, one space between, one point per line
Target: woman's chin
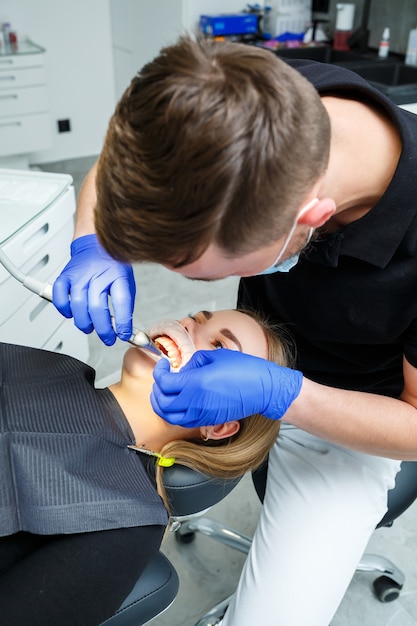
137 361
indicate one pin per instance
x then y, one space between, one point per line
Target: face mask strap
304 210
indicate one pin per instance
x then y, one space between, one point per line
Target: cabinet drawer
67 339
29 133
39 325
32 324
36 234
44 265
10 79
22 61
25 100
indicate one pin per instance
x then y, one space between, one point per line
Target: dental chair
387 586
189 493
193 493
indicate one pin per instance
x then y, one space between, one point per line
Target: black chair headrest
190 491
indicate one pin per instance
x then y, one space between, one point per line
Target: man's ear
220 431
319 213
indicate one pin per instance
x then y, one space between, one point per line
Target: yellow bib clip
163 461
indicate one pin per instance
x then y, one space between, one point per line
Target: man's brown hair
212 142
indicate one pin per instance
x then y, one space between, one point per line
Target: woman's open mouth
174 341
170 348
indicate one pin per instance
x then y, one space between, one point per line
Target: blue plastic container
233 24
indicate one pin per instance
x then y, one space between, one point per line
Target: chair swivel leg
215 530
387 587
215 615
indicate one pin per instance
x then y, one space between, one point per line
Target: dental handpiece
138 338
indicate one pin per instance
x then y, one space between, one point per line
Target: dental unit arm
138 338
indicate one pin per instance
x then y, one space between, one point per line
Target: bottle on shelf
6 32
344 25
383 49
411 54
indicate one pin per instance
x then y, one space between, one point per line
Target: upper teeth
171 349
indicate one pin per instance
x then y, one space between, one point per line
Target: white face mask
289 263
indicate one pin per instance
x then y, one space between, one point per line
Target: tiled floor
209 571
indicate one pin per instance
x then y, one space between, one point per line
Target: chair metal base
387 586
211 528
215 615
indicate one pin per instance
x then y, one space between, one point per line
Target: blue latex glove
83 288
217 386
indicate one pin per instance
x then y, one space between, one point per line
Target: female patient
80 517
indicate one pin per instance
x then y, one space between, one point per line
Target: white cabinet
36 226
24 113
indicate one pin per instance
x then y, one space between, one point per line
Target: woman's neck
150 431
133 398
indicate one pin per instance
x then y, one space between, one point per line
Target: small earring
206 436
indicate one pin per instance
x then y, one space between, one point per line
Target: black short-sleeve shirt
351 301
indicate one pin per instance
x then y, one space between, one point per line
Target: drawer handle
8 77
34 237
12 96
39 265
6 61
10 124
37 310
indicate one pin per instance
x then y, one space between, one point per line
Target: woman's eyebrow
228 333
224 331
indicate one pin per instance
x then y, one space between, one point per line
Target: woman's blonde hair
249 447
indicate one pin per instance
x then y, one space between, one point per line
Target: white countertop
24 194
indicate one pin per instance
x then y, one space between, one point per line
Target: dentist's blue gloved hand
85 284
217 386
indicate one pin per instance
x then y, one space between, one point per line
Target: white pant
321 506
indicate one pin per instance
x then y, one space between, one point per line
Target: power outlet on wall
64 126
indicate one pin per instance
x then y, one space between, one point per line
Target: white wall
94 48
141 27
77 37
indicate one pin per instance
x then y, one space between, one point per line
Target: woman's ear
220 431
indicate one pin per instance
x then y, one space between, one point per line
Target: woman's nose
189 324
